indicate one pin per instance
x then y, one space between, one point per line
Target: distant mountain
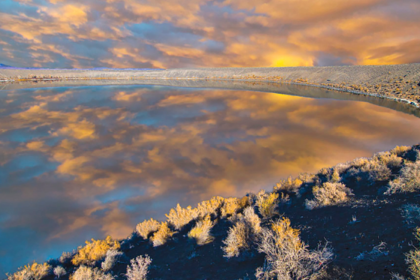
4 65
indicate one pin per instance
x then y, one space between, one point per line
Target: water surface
83 162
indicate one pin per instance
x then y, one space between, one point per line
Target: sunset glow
203 33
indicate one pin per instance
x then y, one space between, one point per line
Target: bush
201 231
267 203
245 201
33 271
88 273
237 240
139 268
399 150
161 236
59 271
389 159
413 259
147 227
328 194
287 257
94 251
252 220
209 207
230 206
289 185
179 216
377 170
66 257
111 259
409 180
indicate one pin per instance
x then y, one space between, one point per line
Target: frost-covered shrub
328 194
161 236
147 227
201 231
32 271
179 216
111 259
408 181
59 271
88 273
94 251
139 268
267 203
287 257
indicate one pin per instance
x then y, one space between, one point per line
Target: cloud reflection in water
85 162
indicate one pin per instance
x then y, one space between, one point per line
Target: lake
82 162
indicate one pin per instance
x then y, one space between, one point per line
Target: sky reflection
82 162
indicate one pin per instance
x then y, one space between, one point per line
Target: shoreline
399 83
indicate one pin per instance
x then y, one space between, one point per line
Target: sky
208 33
85 162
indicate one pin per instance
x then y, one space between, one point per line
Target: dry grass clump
94 251
179 216
209 207
201 231
230 206
59 271
139 268
409 180
88 273
161 236
147 227
287 257
267 203
289 185
33 271
237 240
111 259
328 194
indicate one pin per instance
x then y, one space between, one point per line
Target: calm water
83 162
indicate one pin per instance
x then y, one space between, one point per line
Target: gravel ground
397 82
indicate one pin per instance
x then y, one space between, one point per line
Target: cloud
167 34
